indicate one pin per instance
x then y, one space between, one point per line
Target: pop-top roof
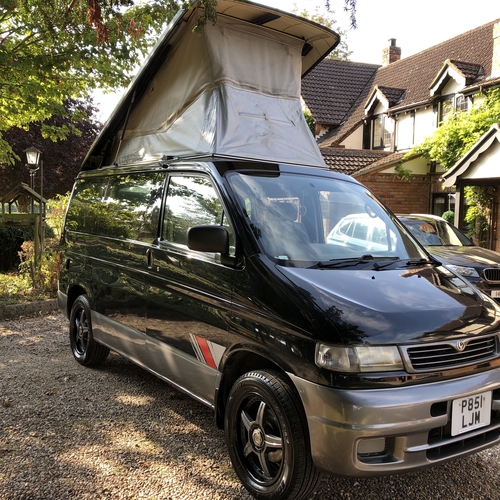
231 91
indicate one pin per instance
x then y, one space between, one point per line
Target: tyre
267 438
85 349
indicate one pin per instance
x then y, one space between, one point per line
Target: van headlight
358 359
466 272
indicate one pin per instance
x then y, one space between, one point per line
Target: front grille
492 274
447 355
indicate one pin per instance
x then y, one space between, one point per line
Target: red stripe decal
206 352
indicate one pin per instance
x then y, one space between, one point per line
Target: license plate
495 294
470 413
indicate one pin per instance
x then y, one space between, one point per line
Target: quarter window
86 209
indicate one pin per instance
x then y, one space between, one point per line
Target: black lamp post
33 163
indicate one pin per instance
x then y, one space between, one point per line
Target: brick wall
400 196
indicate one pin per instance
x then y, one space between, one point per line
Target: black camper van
282 295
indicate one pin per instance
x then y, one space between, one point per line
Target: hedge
11 239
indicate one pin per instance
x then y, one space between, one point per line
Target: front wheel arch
238 364
73 293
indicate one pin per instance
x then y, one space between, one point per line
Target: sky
415 24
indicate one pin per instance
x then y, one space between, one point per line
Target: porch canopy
480 164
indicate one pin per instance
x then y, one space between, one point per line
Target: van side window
133 204
192 201
86 208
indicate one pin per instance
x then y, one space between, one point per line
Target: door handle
151 258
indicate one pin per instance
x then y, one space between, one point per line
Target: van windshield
301 219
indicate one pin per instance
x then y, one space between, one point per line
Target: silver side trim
182 371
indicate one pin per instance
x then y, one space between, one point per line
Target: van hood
394 306
471 256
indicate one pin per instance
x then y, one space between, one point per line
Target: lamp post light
32 160
33 163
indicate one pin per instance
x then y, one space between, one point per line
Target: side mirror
208 239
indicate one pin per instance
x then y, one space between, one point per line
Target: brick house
368 116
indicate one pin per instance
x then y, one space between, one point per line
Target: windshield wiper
419 262
354 261
392 260
338 263
410 262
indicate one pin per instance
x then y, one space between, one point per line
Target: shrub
12 239
56 210
449 216
43 274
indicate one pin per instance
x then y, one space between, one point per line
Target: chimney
495 63
391 54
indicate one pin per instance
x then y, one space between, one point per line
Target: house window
446 106
442 202
438 205
381 132
452 103
462 103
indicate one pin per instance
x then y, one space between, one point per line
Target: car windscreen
298 219
435 232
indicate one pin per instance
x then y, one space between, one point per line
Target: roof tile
348 161
471 52
332 87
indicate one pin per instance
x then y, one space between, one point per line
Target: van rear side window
133 204
86 207
121 206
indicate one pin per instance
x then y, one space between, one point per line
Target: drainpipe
492 231
494 212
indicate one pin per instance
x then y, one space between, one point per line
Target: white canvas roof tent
231 92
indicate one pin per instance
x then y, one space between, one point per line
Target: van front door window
191 201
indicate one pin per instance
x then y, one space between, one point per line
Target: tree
342 52
62 159
349 6
53 51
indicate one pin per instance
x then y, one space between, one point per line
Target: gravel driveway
117 432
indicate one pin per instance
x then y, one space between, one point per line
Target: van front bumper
384 431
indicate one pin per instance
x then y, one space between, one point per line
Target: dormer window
446 106
450 103
462 103
381 132
379 129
